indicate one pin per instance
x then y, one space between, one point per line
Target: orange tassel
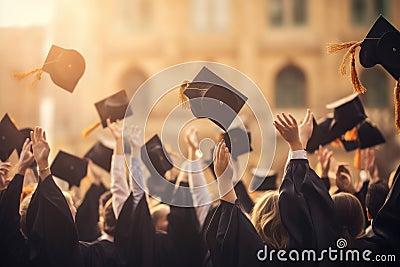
351 46
336 143
21 75
396 99
351 135
357 159
91 128
183 100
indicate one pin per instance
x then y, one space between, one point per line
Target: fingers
294 122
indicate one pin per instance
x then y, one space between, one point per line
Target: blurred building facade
279 44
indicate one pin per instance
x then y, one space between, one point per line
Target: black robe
13 246
87 215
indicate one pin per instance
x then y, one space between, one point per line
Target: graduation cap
321 134
366 135
380 46
263 180
154 156
69 168
347 113
65 67
10 137
113 107
213 98
238 142
101 155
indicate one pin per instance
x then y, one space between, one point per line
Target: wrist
296 145
21 170
43 165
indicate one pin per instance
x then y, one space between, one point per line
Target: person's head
70 203
267 220
108 220
375 198
159 215
23 207
349 216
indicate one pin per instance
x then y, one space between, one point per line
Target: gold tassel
396 99
357 159
351 135
336 143
351 46
21 75
183 100
91 128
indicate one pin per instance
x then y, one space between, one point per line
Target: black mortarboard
213 98
347 113
238 141
65 67
69 168
154 156
100 155
113 107
321 134
368 135
382 46
263 180
10 137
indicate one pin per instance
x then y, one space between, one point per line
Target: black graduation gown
231 237
87 215
100 253
244 198
52 236
141 245
13 246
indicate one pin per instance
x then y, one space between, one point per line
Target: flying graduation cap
366 135
101 155
380 46
113 107
238 141
209 96
69 168
65 67
154 157
10 137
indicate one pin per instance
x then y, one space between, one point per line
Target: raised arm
119 186
197 181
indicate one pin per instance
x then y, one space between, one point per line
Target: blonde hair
267 220
22 210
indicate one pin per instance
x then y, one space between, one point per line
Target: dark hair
376 196
349 216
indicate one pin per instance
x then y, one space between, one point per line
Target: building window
366 11
210 15
287 12
290 88
376 82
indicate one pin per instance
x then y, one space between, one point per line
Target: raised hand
306 128
134 139
191 138
115 128
324 158
370 164
288 129
344 179
41 151
26 158
224 172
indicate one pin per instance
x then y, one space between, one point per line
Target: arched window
366 11
132 79
376 82
290 88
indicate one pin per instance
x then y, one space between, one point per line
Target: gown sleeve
12 243
306 208
87 215
231 237
52 239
